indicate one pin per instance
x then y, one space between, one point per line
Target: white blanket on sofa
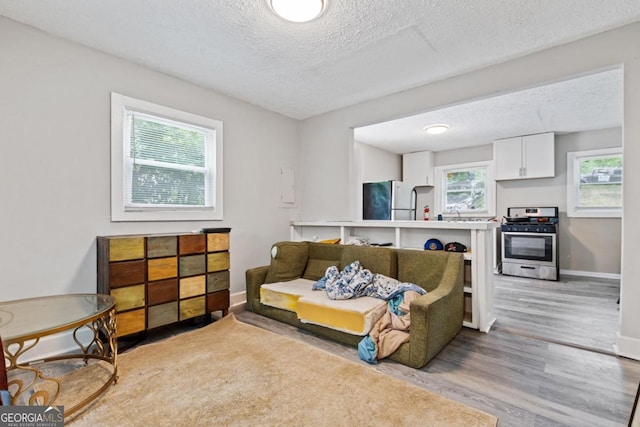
354 281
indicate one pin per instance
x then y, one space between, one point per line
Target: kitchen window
465 190
166 164
594 183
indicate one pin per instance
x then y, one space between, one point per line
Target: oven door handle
528 233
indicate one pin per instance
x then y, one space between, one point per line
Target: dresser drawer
130 322
192 307
192 265
163 314
126 273
163 291
217 281
193 244
162 246
217 242
218 261
218 301
126 248
129 297
192 286
163 268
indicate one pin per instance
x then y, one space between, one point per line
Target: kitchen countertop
455 224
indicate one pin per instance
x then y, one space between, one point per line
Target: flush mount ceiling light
297 10
436 129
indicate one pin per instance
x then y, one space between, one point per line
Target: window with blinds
169 163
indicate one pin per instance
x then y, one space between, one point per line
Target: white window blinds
168 164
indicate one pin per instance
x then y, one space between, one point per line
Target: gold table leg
25 379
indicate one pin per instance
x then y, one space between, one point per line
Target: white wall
481 153
54 163
371 164
330 135
377 164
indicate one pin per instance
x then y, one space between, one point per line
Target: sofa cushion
316 268
285 295
321 257
288 261
376 259
424 268
354 316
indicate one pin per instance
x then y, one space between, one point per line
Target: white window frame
441 187
119 212
573 183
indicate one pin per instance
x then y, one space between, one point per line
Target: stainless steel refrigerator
388 200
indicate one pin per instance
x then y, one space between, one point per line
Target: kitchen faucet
456 211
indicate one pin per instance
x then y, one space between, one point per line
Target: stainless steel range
530 243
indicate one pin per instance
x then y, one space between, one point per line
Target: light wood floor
524 381
574 310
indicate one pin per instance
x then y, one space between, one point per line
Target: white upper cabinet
417 168
524 157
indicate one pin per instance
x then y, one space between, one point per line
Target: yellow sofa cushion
354 316
285 295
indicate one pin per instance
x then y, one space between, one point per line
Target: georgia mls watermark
31 416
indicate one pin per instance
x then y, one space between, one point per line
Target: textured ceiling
587 103
357 50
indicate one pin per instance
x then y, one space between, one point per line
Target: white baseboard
628 347
594 274
237 299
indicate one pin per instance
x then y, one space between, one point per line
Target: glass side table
91 319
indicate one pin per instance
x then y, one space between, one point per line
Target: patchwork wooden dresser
160 279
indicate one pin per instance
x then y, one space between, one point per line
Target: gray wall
54 167
479 153
585 244
331 136
55 173
376 164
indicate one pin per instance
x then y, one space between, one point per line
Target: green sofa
436 318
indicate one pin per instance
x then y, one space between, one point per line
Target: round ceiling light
297 10
436 129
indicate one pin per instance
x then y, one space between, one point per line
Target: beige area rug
233 374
